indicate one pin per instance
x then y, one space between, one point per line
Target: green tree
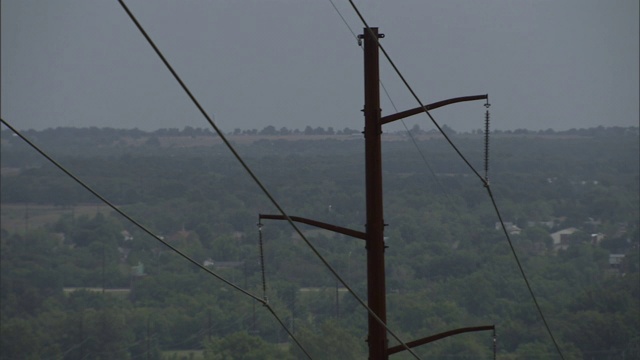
242 346
268 130
19 340
331 340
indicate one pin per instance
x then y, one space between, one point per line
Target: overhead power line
124 214
415 96
484 180
524 276
252 175
413 139
152 234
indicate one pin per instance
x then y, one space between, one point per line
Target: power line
513 251
384 88
415 96
124 214
424 158
149 232
426 163
253 176
343 19
413 139
484 180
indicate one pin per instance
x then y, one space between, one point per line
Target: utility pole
376 287
374 233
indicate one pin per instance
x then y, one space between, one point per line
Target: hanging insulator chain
486 143
264 281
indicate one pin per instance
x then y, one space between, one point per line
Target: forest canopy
80 281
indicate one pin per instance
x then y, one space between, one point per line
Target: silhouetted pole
376 288
374 235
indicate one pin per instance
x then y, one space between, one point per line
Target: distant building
222 264
561 238
208 262
512 229
126 236
615 261
597 238
138 270
137 274
227 264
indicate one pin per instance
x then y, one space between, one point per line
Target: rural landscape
80 281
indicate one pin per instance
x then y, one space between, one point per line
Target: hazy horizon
300 131
544 64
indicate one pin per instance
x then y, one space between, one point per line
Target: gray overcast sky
544 63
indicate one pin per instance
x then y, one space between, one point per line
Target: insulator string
486 143
264 280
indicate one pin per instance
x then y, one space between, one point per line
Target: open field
18 217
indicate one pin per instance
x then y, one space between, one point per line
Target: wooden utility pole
374 234
376 287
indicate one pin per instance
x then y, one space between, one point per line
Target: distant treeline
106 134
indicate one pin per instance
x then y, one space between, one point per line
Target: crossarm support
334 228
403 114
428 339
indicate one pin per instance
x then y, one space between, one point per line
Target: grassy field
17 217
